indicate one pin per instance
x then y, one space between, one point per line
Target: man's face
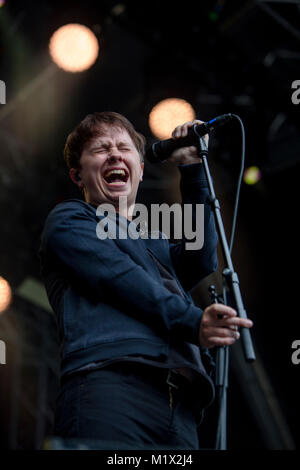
111 167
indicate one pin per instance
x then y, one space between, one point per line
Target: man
132 341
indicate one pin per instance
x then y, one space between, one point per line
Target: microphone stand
231 280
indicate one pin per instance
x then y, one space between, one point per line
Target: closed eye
105 148
99 150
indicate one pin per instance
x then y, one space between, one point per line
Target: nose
114 154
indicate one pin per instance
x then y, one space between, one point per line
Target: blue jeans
127 406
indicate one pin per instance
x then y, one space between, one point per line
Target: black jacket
107 294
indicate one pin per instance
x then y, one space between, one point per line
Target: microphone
160 151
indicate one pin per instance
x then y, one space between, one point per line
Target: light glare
168 114
74 47
252 175
5 294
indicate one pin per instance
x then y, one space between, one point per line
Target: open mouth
116 176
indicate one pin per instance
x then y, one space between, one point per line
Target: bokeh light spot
5 294
252 175
168 114
74 47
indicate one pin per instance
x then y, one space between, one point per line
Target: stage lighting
74 47
5 294
252 175
168 114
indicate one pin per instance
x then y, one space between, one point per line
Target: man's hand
219 326
185 155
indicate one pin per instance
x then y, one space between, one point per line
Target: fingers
192 150
184 152
182 130
238 322
219 325
222 332
227 316
215 341
220 311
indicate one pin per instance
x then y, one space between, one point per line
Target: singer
135 360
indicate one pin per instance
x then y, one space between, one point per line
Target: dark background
230 56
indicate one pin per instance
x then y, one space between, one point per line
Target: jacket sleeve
70 235
193 265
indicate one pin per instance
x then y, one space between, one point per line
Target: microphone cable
239 184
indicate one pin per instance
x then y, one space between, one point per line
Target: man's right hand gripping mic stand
231 280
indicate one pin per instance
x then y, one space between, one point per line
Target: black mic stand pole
231 279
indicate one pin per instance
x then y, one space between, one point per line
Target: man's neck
120 208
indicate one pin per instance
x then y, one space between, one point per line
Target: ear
74 177
142 171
